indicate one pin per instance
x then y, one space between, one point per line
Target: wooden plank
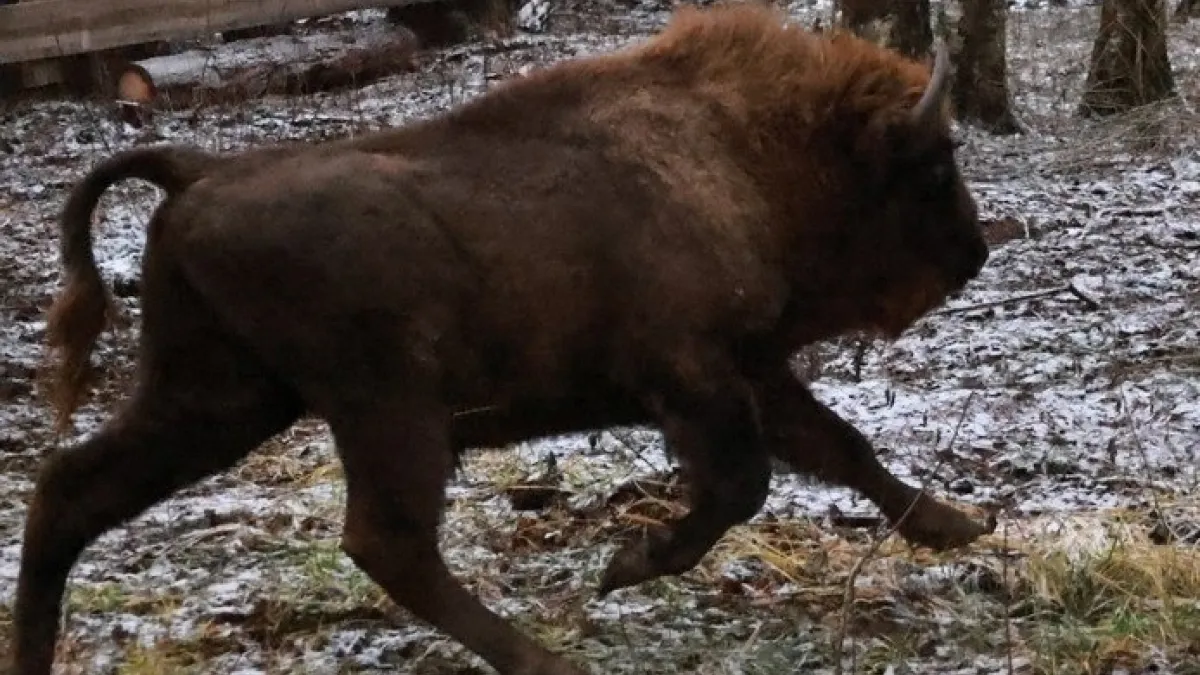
52 28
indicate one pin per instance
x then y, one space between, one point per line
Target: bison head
906 220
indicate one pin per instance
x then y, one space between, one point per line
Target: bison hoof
628 567
636 562
942 527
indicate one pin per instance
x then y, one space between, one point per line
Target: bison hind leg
398 456
157 445
203 401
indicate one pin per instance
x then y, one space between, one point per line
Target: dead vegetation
1082 596
1129 64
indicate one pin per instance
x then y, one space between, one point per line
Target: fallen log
139 95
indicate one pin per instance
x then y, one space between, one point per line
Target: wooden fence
42 29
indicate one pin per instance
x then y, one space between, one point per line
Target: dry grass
1119 600
154 660
1086 594
114 597
1083 595
1153 129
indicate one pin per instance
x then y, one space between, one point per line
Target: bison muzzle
641 237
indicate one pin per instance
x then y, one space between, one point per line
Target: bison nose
974 257
979 254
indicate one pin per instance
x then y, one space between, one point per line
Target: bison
640 237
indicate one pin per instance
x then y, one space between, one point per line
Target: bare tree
1129 65
902 25
980 90
1187 9
911 33
978 43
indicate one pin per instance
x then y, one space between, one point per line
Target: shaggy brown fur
645 236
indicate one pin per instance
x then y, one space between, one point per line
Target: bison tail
84 306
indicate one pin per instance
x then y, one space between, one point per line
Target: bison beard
639 237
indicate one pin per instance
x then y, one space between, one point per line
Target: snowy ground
1079 410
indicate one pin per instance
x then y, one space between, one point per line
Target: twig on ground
1066 288
638 453
848 593
1167 246
1008 642
1160 515
1083 297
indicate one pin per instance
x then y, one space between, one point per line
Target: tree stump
1129 64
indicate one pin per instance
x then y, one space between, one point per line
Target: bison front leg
397 458
728 472
814 440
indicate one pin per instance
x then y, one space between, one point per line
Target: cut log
136 95
355 68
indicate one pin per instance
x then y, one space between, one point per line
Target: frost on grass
1083 423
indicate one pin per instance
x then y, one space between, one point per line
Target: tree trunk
911 32
902 25
980 85
1187 9
1129 65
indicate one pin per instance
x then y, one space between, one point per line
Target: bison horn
939 82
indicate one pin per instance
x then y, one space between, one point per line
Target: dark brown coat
644 236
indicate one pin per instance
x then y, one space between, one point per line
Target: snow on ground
1077 404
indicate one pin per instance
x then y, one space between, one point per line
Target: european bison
639 237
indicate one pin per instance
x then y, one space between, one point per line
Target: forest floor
1077 414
